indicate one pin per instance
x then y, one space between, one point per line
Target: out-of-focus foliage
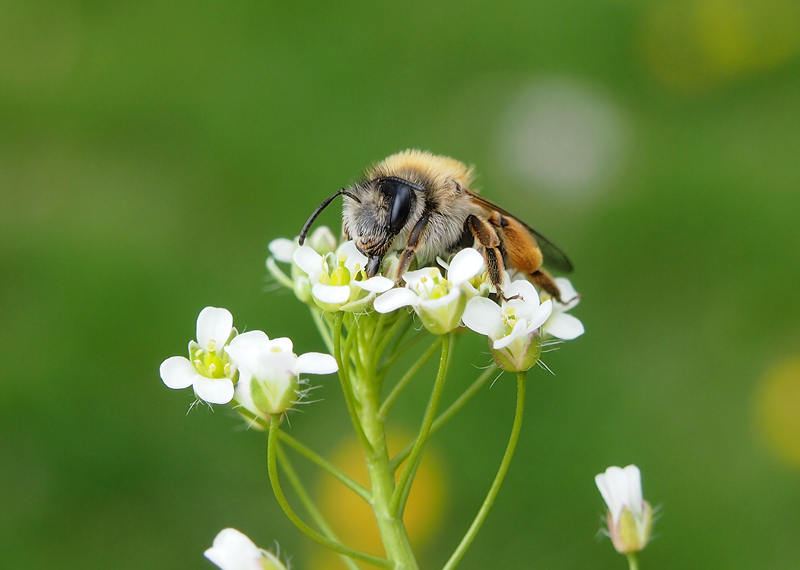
149 151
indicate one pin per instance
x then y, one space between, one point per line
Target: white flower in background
208 369
560 324
438 301
320 240
233 550
512 326
269 372
630 517
561 135
338 278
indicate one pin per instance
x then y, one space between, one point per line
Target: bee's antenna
319 209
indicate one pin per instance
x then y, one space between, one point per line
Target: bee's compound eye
401 199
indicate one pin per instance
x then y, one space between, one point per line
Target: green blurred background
149 151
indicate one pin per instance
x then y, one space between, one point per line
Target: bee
422 204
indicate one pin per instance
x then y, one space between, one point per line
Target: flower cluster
331 277
261 375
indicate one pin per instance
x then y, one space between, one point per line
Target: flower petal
414 277
245 348
568 292
331 293
309 261
633 497
394 299
540 315
282 249
177 372
214 324
613 487
524 289
354 259
377 284
214 390
244 394
520 330
315 363
483 316
563 326
465 265
282 344
232 550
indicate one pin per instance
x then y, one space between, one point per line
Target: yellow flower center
210 363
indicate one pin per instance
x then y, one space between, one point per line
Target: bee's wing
553 256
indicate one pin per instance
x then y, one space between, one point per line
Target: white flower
560 324
338 279
630 517
208 369
269 372
513 326
233 550
321 240
438 301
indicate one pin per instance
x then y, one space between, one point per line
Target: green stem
392 530
344 377
498 479
409 470
278 273
308 503
390 334
633 561
320 461
448 413
403 382
272 470
324 332
400 351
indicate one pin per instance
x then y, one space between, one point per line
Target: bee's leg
486 236
545 281
412 245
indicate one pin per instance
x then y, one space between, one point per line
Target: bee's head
377 212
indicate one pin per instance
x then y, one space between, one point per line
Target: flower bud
322 240
631 532
630 517
233 550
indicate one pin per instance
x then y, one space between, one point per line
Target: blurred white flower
233 550
338 279
630 517
512 326
269 372
560 324
438 301
563 135
208 369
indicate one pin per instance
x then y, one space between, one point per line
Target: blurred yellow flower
693 45
777 410
353 520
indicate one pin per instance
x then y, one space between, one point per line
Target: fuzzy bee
421 204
